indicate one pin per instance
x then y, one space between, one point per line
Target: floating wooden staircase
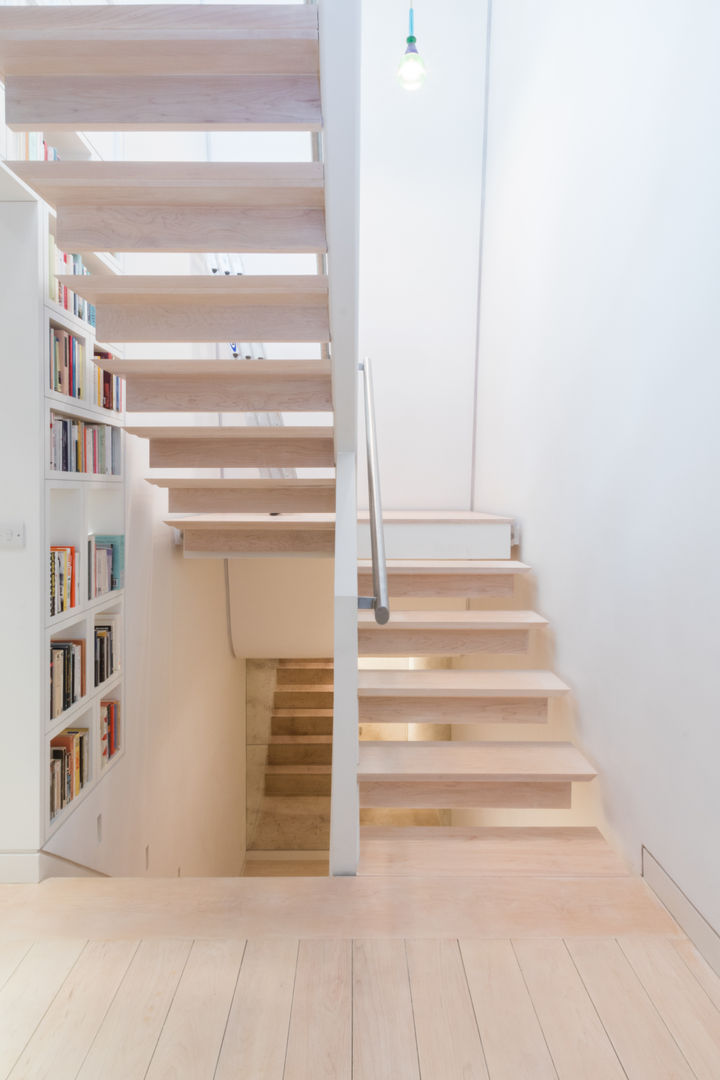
247 67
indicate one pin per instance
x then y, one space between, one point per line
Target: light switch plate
12 535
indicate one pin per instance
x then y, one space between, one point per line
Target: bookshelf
54 707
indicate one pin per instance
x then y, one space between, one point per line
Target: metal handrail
379 602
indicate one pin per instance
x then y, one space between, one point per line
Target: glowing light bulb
411 73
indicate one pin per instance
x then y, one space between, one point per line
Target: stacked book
67 363
105 652
64 592
106 564
67 675
109 729
62 263
107 388
76 446
69 767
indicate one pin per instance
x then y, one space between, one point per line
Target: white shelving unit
54 508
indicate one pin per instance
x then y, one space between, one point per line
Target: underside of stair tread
555 851
461 620
462 683
162 184
472 761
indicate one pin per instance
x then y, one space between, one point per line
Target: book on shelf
69 766
106 564
109 729
67 363
67 675
64 593
77 446
106 658
107 388
32 146
60 262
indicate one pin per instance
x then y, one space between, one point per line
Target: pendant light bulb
411 73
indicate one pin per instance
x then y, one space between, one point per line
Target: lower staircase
289 829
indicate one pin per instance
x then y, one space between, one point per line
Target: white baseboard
703 936
31 867
20 868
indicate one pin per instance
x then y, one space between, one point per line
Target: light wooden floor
637 1007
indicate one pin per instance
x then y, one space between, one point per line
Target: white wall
419 230
599 386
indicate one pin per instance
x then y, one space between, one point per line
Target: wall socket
12 535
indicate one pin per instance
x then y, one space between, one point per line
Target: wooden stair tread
438 516
450 566
281 433
299 740
461 620
251 484
456 850
127 183
174 290
251 370
264 522
472 761
449 683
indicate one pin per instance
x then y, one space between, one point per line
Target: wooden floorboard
332 1008
641 1039
256 1036
384 1045
193 1032
511 1034
126 1040
320 1036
